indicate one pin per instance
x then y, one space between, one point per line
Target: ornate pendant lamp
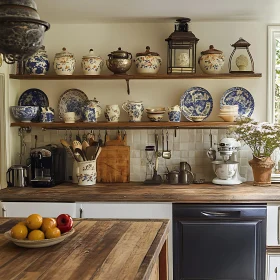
21 30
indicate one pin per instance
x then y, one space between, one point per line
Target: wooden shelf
124 125
136 76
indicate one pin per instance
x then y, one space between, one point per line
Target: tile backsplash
188 145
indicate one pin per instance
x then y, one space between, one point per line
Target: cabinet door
273 267
45 209
272 237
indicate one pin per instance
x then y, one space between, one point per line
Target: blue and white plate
196 101
33 97
241 97
72 100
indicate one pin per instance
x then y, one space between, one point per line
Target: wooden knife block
113 165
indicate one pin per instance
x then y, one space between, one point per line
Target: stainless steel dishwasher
219 241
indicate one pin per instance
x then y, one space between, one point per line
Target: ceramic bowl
155 117
197 118
155 110
227 118
25 113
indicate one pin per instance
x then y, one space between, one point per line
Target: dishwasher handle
230 214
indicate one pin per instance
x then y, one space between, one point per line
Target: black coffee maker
48 165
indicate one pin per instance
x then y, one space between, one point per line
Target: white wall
134 37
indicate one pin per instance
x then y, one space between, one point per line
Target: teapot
94 104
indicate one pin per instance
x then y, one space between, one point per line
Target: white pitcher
134 109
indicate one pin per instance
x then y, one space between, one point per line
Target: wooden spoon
85 144
98 153
68 148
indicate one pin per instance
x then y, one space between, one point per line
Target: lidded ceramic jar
119 62
96 105
147 62
211 61
92 64
38 63
64 63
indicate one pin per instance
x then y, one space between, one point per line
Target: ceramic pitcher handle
124 106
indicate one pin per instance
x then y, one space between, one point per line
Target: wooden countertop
99 249
138 192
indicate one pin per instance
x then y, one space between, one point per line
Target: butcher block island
138 192
98 249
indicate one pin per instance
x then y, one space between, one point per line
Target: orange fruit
36 234
19 231
52 233
48 223
22 223
34 221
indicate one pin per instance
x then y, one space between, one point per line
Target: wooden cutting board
113 165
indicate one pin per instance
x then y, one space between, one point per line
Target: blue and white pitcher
134 109
174 113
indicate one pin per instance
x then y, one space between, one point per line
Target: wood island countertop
98 249
138 192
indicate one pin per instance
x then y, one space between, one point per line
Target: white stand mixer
227 168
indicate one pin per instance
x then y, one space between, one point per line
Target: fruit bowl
38 243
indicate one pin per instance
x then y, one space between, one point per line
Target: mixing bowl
225 169
25 113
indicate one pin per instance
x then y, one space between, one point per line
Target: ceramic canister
134 109
211 61
92 64
64 63
86 173
147 62
174 113
112 113
46 114
38 63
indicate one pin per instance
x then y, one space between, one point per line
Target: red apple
64 222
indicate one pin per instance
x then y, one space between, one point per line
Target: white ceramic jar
211 61
112 113
147 62
92 64
64 63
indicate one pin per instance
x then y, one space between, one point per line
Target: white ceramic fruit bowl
155 117
38 243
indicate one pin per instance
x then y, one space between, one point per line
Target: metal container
17 176
119 62
185 174
173 177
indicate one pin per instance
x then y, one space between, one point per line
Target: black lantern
181 56
241 60
21 30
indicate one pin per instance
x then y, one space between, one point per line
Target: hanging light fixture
21 30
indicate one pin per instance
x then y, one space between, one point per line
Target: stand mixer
226 169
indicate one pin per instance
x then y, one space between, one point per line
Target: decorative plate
241 97
33 97
38 243
72 100
196 101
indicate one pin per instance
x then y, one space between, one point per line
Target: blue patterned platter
33 97
196 101
72 100
241 97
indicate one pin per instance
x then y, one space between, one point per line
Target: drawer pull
231 214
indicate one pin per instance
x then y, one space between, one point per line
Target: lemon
52 233
34 221
36 234
19 231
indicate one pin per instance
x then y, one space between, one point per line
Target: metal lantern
241 60
21 30
181 56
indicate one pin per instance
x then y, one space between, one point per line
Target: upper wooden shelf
124 125
135 77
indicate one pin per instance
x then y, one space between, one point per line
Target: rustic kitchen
150 129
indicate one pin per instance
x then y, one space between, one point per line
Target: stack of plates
228 112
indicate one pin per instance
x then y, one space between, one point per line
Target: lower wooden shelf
123 125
